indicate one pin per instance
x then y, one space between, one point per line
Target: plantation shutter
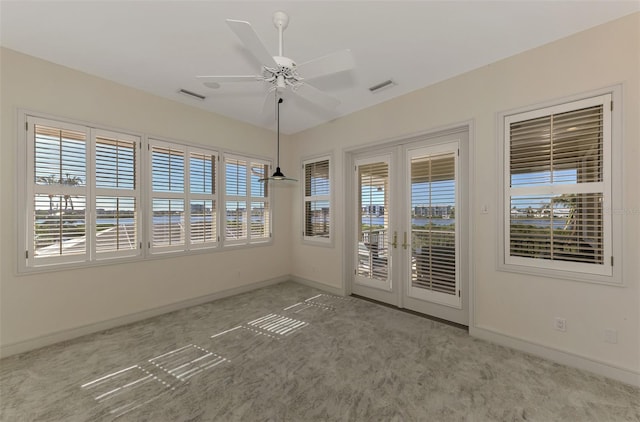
260 218
247 205
59 191
557 190
317 200
203 202
117 194
168 196
433 199
236 198
562 148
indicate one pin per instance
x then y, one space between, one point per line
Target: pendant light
278 175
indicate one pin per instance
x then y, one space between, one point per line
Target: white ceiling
159 46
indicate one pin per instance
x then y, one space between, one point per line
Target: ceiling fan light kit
280 72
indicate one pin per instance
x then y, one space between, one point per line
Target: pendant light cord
278 130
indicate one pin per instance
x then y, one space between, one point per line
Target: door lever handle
395 240
404 243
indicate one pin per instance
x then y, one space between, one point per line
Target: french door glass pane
433 199
373 253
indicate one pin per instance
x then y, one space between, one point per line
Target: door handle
404 243
395 240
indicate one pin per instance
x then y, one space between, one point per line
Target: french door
409 226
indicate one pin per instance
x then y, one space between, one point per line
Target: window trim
316 240
612 188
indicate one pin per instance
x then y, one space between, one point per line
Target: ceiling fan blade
252 42
231 78
326 65
316 96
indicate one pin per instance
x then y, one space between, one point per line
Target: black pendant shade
278 175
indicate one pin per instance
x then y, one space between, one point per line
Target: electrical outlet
610 336
560 324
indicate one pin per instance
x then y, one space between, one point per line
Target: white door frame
466 164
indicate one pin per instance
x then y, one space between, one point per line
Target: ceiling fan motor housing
285 74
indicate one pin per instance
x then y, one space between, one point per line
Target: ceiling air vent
382 85
192 94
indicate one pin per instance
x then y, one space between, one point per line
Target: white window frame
27 189
186 196
317 240
248 200
610 272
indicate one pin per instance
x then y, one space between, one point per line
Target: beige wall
514 306
36 305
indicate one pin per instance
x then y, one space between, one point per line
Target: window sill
613 281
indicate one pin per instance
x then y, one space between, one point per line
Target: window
82 193
247 211
82 189
183 197
317 202
558 185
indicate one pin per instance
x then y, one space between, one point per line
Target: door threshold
409 311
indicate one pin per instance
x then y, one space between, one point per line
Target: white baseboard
64 335
320 286
564 357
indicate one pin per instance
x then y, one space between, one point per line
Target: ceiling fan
280 72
